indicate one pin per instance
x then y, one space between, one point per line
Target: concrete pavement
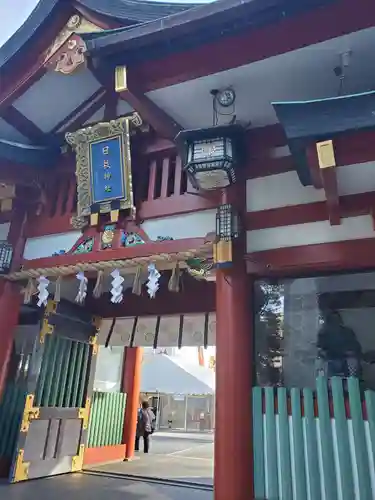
88 487
174 457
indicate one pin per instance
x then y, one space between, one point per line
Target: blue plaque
103 172
107 170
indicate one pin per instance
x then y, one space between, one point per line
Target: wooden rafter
110 110
130 91
23 125
323 175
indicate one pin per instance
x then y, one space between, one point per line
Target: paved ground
173 456
87 487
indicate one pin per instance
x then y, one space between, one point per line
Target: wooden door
53 430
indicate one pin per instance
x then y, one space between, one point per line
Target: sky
14 12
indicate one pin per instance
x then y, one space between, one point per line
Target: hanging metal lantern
211 156
6 254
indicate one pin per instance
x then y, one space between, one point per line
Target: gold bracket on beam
47 329
326 154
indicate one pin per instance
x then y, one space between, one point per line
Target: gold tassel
137 285
98 290
29 291
174 282
57 295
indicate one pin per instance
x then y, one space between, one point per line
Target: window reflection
310 326
108 372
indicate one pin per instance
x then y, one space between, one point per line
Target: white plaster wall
45 246
194 225
4 231
282 190
351 228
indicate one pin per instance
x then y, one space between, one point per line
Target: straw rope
162 261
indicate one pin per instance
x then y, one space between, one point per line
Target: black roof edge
186 23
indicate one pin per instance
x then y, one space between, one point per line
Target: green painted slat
370 405
74 402
57 367
98 413
71 369
105 422
90 430
51 361
111 417
285 477
43 370
298 444
258 444
120 421
5 415
101 415
345 471
83 376
19 396
328 464
361 461
312 463
272 489
64 372
116 416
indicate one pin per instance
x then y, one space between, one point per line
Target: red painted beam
325 23
146 250
350 206
344 255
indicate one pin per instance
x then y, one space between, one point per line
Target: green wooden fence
63 373
11 410
106 419
314 445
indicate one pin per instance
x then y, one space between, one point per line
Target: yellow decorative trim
76 24
121 79
77 461
21 469
51 308
326 154
46 329
29 413
84 413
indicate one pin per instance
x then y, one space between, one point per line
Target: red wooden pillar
10 301
132 387
234 364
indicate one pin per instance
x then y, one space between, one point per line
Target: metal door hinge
77 461
47 329
21 468
29 413
84 413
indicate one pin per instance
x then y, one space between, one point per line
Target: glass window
310 326
108 372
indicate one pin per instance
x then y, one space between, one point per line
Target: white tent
172 375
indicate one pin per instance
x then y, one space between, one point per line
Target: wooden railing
165 190
161 189
57 208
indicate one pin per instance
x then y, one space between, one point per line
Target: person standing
145 426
